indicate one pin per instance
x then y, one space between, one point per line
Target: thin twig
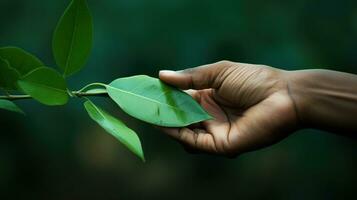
75 93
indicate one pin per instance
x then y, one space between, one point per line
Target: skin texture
255 106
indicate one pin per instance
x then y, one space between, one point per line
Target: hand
250 104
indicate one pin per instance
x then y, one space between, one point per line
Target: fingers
203 137
196 139
203 77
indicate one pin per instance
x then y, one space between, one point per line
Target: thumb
202 77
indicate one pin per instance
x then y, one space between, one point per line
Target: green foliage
20 60
46 86
8 75
152 101
142 97
72 40
10 106
115 127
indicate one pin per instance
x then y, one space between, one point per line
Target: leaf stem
75 94
91 85
16 97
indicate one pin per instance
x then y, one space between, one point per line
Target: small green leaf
46 86
152 101
20 60
8 76
72 40
10 106
116 128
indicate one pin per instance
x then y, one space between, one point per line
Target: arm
325 100
255 106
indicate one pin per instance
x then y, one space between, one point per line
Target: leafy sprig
24 76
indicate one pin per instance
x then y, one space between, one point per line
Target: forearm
325 99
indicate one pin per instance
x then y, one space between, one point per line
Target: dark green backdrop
59 153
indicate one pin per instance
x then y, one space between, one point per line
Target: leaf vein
72 40
152 100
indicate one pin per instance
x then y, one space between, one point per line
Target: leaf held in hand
152 101
46 86
20 60
10 106
72 40
116 128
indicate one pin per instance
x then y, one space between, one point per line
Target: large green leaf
45 85
152 101
72 40
8 76
10 106
20 60
115 127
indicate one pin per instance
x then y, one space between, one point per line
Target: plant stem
86 94
91 85
75 94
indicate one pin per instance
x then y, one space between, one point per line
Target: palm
238 130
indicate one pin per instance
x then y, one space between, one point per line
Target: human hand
250 104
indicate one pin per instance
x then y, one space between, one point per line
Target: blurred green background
59 153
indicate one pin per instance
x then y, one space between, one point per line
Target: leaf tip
143 159
209 117
22 112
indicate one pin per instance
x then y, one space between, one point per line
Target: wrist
298 92
324 99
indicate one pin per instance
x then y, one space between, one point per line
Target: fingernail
167 72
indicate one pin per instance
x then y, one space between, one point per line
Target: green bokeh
59 153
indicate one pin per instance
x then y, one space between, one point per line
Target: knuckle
261 66
224 63
189 70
